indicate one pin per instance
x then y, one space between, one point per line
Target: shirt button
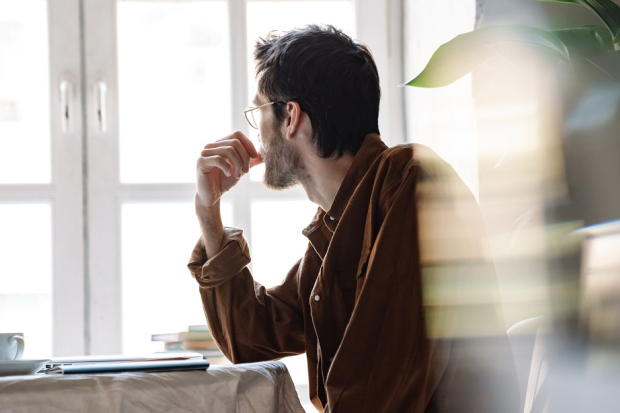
331 218
331 359
310 228
317 297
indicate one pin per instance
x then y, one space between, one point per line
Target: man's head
334 80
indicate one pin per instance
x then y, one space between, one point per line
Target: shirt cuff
225 265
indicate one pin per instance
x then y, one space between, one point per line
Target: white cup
11 346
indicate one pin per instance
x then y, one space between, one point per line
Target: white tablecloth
253 387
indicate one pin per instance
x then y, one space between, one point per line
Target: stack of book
197 339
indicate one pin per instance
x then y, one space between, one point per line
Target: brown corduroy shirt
354 303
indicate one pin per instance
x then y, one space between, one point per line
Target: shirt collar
371 148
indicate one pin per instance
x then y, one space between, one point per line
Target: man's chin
277 182
278 186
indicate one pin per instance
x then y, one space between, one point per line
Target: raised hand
221 165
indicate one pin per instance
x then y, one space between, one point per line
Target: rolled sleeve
225 265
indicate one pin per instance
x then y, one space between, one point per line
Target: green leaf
465 52
590 47
606 10
585 38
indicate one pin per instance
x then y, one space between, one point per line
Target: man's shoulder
411 156
391 169
399 168
417 156
399 155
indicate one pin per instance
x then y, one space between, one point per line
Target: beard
283 165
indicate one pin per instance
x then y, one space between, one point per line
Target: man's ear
293 120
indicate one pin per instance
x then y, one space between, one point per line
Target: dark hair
334 80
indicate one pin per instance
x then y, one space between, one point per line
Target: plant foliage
587 48
606 10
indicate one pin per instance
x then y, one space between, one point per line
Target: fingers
207 163
232 152
244 140
247 144
237 149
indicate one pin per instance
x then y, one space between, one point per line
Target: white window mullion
239 85
66 151
9 193
104 282
237 14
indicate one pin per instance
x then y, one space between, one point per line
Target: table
252 387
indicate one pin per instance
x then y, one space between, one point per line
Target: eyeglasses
252 115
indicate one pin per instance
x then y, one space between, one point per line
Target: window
41 231
442 118
104 107
25 154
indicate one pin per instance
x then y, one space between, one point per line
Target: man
377 327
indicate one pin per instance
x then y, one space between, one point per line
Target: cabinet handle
102 90
66 93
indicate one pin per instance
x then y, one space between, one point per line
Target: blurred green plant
586 49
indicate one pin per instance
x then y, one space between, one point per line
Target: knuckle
241 149
223 163
232 152
238 146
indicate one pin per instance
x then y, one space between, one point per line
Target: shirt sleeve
248 321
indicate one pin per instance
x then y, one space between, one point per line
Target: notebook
120 358
129 366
